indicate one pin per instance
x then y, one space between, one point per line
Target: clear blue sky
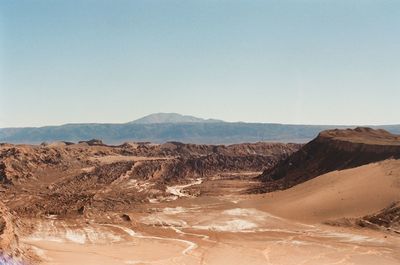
288 61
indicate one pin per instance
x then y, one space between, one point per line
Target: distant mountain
160 128
170 118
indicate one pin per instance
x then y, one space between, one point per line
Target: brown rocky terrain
388 218
11 252
65 178
332 150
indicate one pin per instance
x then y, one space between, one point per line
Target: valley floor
205 230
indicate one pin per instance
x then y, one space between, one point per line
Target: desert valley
334 200
192 132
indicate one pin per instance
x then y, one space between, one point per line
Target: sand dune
348 193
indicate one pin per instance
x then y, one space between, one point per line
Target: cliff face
332 150
11 251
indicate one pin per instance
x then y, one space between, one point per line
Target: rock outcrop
332 150
388 219
11 252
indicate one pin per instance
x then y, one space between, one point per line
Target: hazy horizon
205 118
292 62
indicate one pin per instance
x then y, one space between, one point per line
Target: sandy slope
332 150
348 193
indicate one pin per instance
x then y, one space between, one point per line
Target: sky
284 61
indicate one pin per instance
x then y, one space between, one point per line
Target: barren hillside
332 150
350 193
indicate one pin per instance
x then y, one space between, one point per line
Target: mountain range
164 127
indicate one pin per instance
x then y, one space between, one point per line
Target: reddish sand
348 193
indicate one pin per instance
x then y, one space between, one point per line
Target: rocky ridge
64 178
